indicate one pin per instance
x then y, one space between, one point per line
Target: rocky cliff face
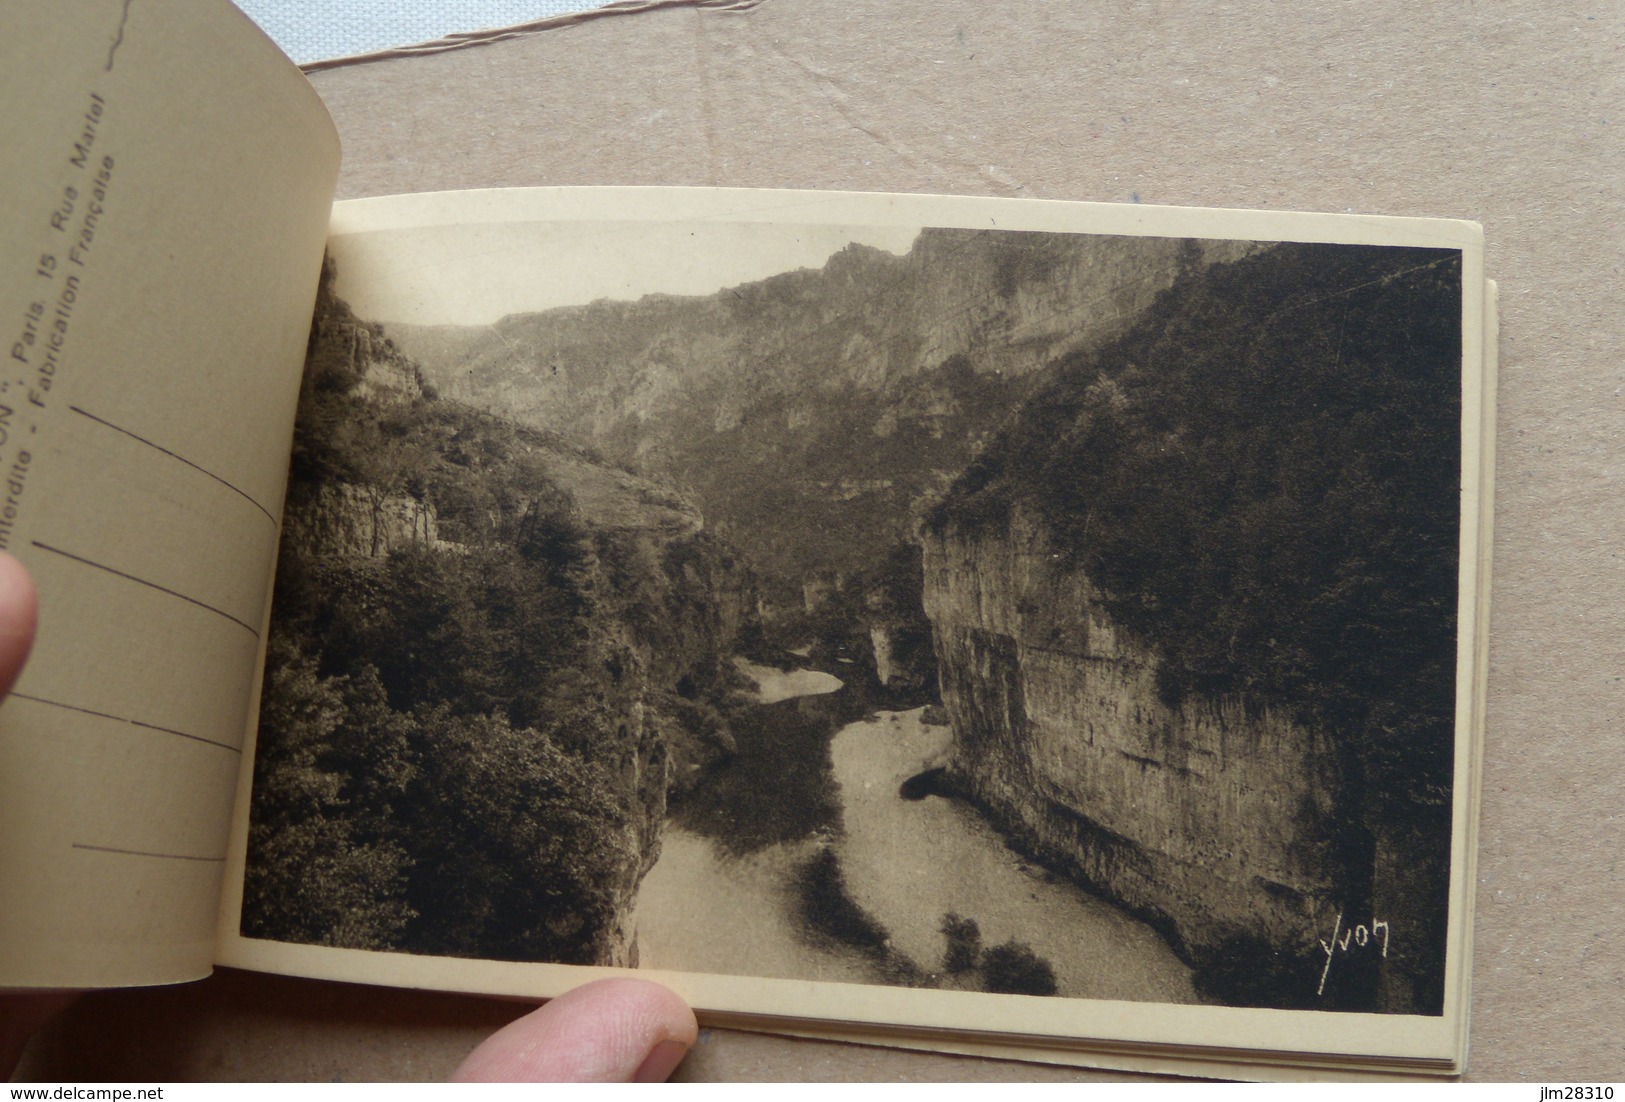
1214 599
344 519
387 376
1012 301
808 413
1208 818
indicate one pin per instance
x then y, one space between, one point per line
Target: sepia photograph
947 607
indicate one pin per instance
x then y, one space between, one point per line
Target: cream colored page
168 175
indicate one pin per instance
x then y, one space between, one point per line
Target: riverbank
908 863
702 910
774 685
814 777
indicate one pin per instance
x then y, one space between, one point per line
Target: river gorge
1098 650
727 893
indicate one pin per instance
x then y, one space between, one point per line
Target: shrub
964 943
1014 969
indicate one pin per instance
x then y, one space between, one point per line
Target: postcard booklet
1032 628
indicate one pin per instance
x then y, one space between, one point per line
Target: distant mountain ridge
1011 300
809 413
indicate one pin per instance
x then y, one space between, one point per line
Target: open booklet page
168 177
953 615
1032 620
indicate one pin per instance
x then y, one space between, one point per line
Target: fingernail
661 1062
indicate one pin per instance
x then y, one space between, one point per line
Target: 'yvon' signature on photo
1353 937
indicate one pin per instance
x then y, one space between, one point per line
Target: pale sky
310 30
474 274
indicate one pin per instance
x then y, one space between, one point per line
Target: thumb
608 1031
18 608
21 1013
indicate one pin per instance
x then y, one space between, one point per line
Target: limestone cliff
1206 817
1012 301
809 412
343 519
1195 608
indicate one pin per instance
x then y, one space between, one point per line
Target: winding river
722 897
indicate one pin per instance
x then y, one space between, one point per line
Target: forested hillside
808 414
467 740
1259 486
1262 478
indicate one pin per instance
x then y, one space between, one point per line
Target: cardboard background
1494 112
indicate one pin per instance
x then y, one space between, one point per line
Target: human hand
21 1014
19 608
609 1031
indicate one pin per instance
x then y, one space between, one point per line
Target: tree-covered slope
1262 478
466 742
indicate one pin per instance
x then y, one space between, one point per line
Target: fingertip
661 1062
19 612
609 1031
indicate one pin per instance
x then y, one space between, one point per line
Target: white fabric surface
313 30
